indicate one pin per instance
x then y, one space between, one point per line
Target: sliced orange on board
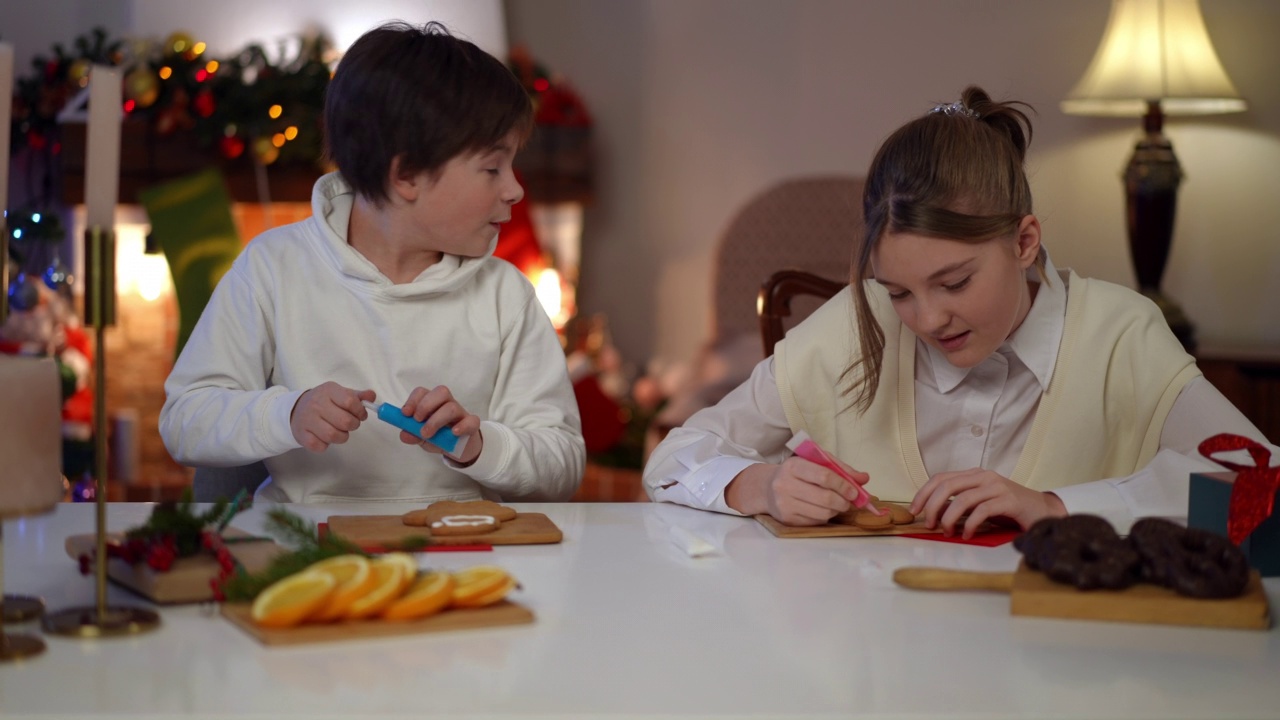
389 587
481 585
392 572
291 600
354 578
429 594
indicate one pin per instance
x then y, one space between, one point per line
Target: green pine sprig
179 520
311 547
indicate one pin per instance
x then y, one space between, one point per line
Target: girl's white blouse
965 418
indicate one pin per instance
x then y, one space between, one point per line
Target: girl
960 371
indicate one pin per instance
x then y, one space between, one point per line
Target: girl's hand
795 492
439 409
981 494
326 414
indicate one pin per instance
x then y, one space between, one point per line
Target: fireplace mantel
147 158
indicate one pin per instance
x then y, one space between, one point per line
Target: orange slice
390 578
429 594
481 585
354 578
405 560
290 600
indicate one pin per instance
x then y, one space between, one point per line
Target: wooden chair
812 224
776 294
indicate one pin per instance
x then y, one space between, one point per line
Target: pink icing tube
806 448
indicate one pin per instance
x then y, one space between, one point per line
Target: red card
987 539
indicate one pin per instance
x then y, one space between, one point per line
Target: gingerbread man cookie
464 525
437 511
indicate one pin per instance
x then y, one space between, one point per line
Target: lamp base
87 622
1178 321
21 608
17 647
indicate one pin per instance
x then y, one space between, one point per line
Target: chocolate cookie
1190 561
1080 550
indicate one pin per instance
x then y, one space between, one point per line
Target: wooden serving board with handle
496 615
390 530
1033 593
187 581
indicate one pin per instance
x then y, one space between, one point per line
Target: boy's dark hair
421 94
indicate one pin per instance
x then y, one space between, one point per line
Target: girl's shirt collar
1035 343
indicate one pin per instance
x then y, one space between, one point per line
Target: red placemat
323 528
986 539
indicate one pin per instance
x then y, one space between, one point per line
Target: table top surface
629 625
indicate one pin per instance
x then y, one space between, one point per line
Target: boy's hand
438 408
326 414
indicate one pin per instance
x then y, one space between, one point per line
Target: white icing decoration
464 521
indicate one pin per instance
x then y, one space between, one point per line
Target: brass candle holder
100 620
30 440
13 608
16 647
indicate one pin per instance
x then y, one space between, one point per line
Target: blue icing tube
443 438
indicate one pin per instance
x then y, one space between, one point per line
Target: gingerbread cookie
893 515
444 508
868 520
464 525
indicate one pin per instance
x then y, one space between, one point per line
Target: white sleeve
219 410
533 447
695 462
1161 488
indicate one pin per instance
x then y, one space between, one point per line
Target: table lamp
31 483
102 181
1155 59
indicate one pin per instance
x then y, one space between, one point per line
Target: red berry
160 558
86 564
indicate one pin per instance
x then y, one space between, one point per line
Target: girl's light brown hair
954 173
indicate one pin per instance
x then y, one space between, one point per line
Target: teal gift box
1208 508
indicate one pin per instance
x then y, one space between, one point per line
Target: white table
630 626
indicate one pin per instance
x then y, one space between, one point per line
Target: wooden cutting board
187 581
1033 593
389 530
842 530
496 615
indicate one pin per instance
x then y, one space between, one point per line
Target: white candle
102 161
6 97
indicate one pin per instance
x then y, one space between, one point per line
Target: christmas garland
243 102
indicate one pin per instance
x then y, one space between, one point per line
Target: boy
389 293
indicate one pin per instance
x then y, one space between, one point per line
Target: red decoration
204 103
517 243
1254 491
560 105
231 147
603 423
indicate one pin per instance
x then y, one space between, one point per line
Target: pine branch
301 533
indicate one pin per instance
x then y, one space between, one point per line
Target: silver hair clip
955 108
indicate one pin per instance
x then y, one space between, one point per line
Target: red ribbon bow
1254 492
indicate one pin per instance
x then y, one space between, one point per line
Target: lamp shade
30 436
1154 51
